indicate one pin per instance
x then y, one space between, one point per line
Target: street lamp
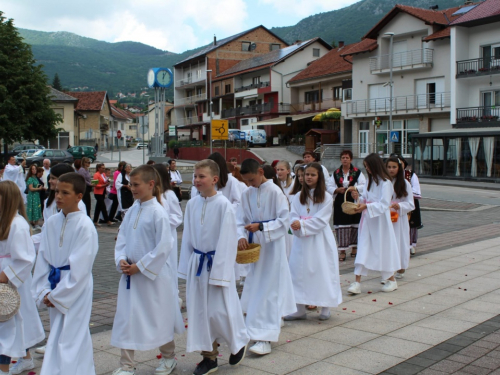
210 107
391 42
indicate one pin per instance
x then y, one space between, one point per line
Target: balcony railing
190 100
186 121
256 110
315 106
399 103
478 67
188 80
402 60
252 86
482 114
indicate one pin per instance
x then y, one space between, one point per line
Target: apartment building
64 105
255 90
421 80
193 75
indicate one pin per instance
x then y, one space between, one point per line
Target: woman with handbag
346 226
124 193
99 192
33 188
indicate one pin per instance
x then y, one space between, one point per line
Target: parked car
20 149
55 156
141 145
256 137
19 157
79 152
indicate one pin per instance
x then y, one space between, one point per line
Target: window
132 127
346 94
274 47
315 52
337 93
217 91
199 91
245 46
313 96
256 80
431 92
227 89
59 111
199 73
406 129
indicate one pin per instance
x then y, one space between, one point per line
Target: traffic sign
220 129
119 134
394 136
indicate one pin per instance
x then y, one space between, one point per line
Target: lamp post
391 35
210 106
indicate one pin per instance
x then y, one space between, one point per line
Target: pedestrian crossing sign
394 136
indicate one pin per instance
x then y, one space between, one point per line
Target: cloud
300 7
166 24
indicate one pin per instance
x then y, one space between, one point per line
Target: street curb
458 184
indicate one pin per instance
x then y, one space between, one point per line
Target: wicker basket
10 301
250 255
349 207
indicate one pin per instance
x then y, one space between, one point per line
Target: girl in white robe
283 173
67 240
17 256
402 202
145 316
268 292
377 246
314 264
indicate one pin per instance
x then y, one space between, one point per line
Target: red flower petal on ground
465 290
390 303
158 356
353 310
369 292
429 293
459 288
374 300
344 308
32 373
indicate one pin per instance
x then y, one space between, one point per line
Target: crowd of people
285 210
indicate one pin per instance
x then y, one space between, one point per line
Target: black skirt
415 218
341 218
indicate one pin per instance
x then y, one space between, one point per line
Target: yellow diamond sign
220 129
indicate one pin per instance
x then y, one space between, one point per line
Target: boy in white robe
63 281
147 312
263 217
208 254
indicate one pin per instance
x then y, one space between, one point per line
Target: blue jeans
4 360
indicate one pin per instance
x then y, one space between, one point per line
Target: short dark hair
60 169
164 176
78 163
309 153
250 166
150 162
347 152
75 179
170 161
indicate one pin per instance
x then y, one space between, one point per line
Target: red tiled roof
89 101
441 34
331 63
121 113
488 8
366 45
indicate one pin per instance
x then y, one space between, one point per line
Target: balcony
256 109
485 116
414 59
252 86
478 67
190 100
190 81
303 107
406 104
186 121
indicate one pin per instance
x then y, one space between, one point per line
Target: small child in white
63 281
17 255
208 254
147 312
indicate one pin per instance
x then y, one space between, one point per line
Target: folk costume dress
346 226
314 263
33 205
17 256
68 248
147 312
415 218
402 226
208 254
377 246
268 293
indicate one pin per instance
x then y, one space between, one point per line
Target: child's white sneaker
22 365
166 366
261 347
355 288
5 373
40 350
413 250
390 286
399 275
119 371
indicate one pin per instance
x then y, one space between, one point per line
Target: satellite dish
253 46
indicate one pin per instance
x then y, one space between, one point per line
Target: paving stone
449 347
369 324
395 347
326 368
313 348
461 358
345 336
474 351
445 324
405 368
421 334
487 362
447 366
475 370
420 361
435 354
364 360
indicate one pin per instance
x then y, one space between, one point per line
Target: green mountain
87 63
349 24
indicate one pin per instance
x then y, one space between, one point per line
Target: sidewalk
461 183
430 324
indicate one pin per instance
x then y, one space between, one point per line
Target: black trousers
100 206
114 205
87 200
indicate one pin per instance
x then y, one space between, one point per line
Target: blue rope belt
55 275
128 276
250 234
209 255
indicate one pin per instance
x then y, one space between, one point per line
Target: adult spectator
99 192
46 173
114 191
175 179
96 148
234 162
122 184
82 167
15 173
43 195
33 207
310 157
176 152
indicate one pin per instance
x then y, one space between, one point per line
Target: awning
281 120
459 133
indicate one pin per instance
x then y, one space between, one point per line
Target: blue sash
250 234
128 276
209 255
55 275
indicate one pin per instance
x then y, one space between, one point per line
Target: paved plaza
444 317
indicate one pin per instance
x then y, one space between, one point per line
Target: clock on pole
160 79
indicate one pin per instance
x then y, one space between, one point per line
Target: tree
56 83
25 105
334 44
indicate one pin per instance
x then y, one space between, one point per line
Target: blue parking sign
394 136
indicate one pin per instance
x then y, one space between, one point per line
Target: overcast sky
173 25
